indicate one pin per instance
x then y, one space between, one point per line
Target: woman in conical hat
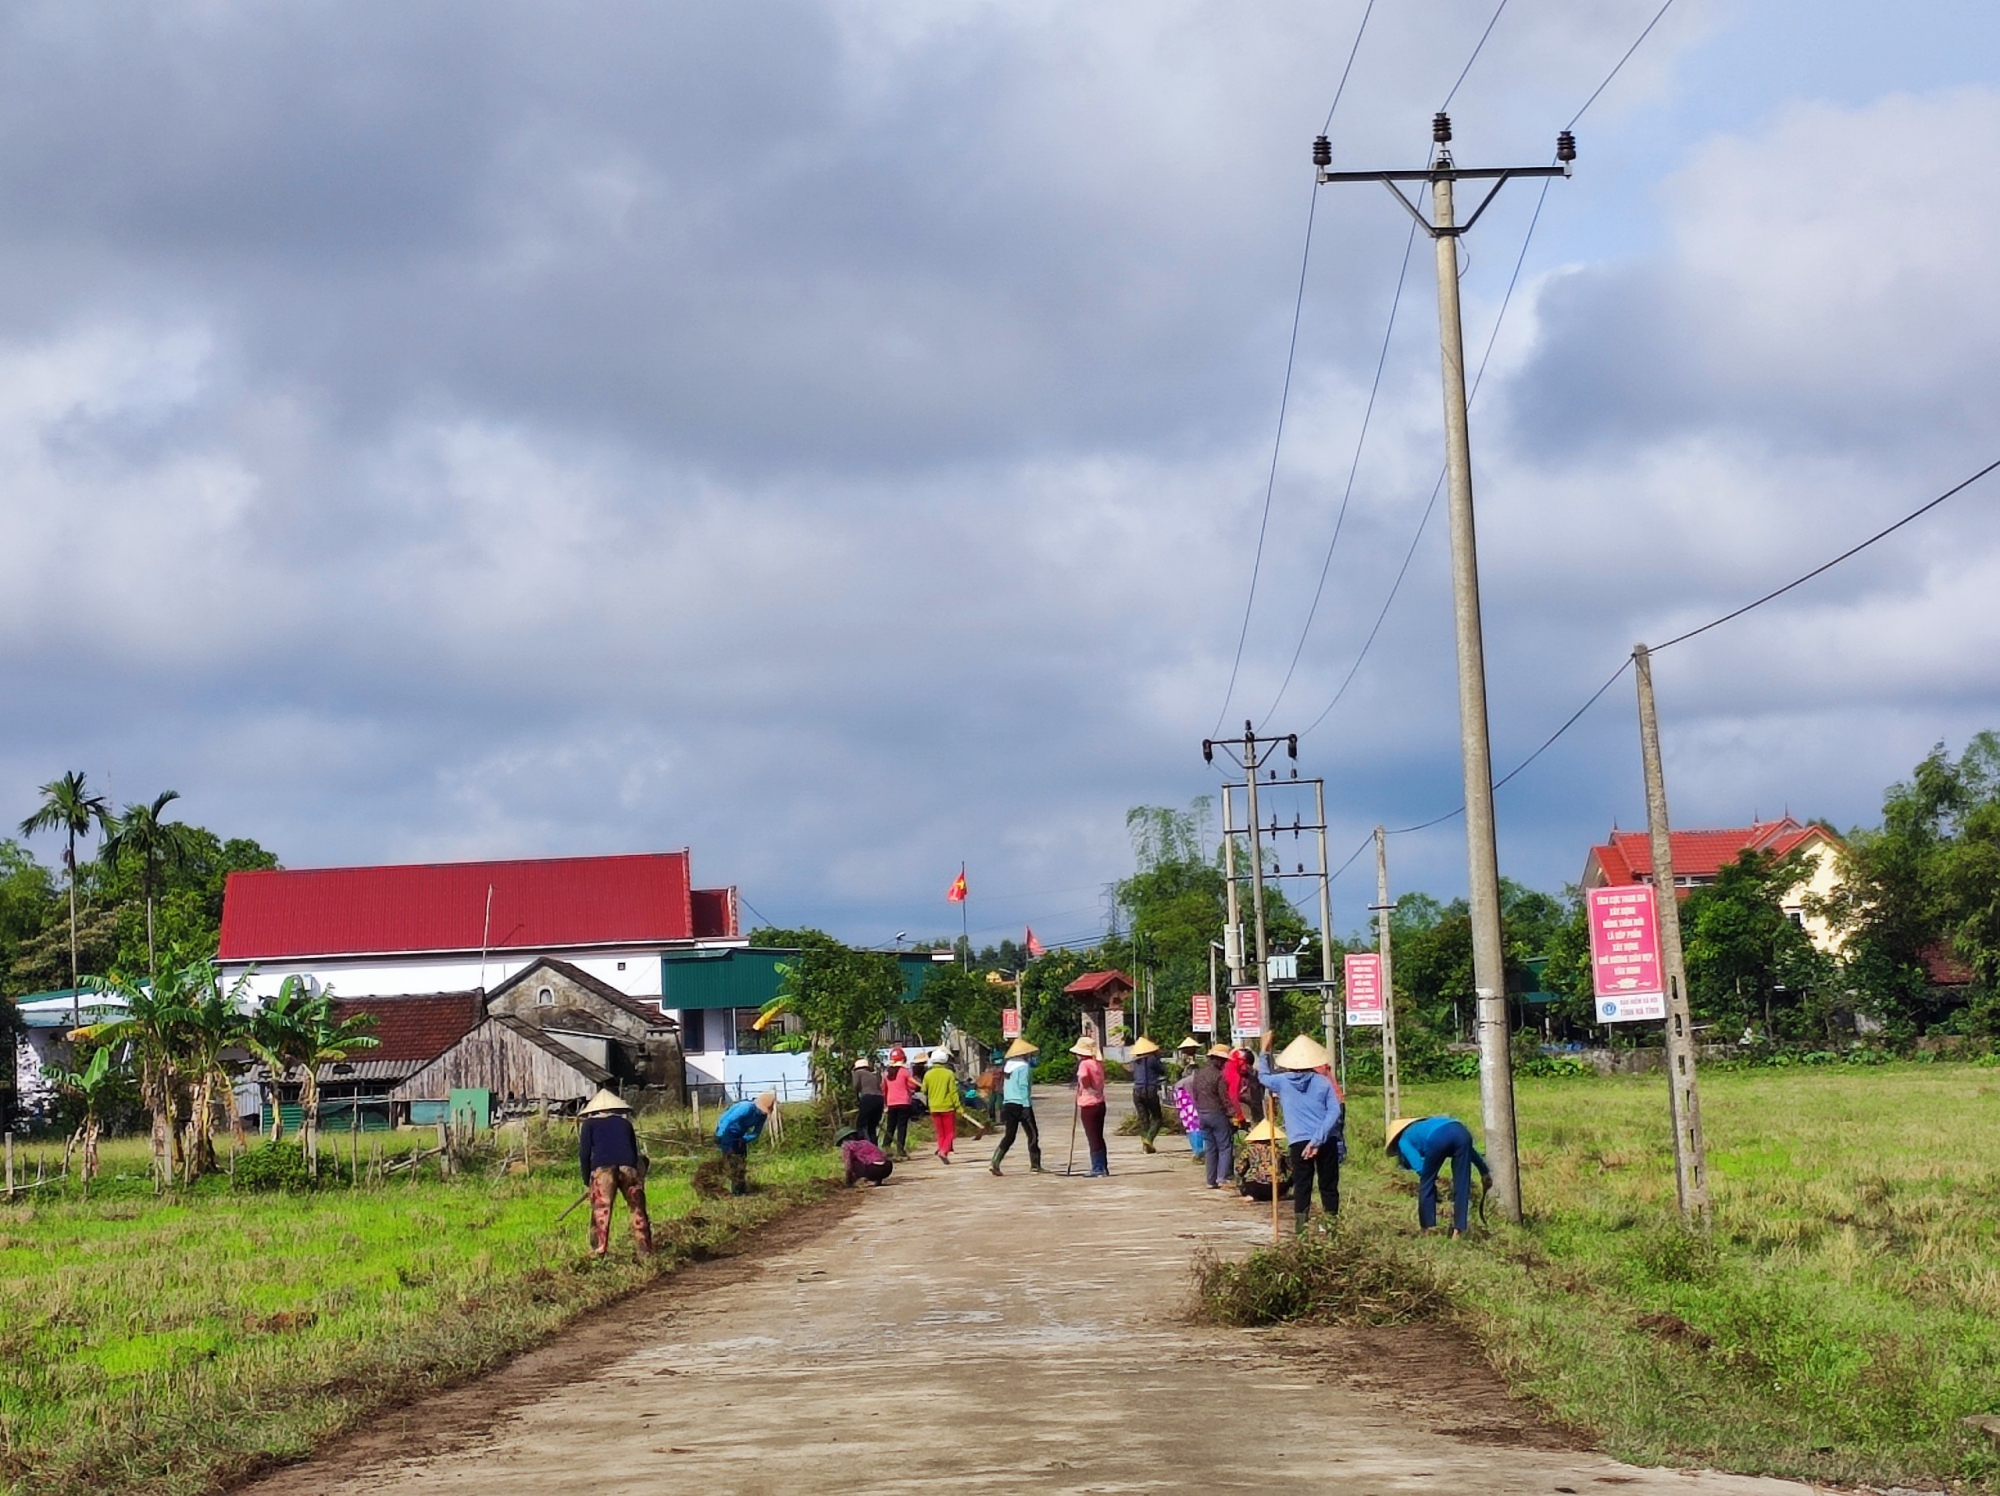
1148 1075
1017 1104
607 1149
1302 1080
1264 1147
1090 1103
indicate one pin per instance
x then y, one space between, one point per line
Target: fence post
10 1163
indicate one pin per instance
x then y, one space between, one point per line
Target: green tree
144 836
840 996
69 807
324 1039
1748 964
277 1036
217 1022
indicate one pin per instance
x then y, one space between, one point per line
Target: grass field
1840 1320
168 1344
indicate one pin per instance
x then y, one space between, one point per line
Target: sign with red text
1246 1012
1364 990
1625 954
1204 1013
1010 1023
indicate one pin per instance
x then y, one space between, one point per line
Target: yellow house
1700 855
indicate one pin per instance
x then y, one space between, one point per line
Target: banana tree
216 1021
155 1024
277 1036
326 1040
94 1086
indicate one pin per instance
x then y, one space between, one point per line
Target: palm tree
157 1017
141 833
69 807
93 1085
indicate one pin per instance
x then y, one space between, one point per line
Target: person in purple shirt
862 1159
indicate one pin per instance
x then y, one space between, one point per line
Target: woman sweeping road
1148 1074
940 1089
899 1088
1303 1082
1090 1103
867 1100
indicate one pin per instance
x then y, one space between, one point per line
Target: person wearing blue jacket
607 1149
1017 1105
1422 1144
1315 1120
736 1130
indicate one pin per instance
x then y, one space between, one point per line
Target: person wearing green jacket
940 1088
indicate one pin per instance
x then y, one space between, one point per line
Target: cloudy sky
833 436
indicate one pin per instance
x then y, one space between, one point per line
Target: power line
1353 468
1478 47
1277 443
1620 67
1917 513
1353 51
1477 379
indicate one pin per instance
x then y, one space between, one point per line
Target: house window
1797 917
545 997
621 965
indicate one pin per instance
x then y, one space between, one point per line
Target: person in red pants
940 1092
1090 1103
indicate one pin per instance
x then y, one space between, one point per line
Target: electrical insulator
1441 128
1322 151
1292 744
1565 146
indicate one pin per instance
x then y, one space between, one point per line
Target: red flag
956 893
1034 946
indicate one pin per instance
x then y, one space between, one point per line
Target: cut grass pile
1838 1323
172 1344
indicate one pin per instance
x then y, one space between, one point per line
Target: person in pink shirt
1090 1103
899 1087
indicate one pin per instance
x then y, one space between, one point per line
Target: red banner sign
1246 1012
1010 1023
1625 954
1364 990
1204 1013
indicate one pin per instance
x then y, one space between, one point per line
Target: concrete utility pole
1392 1082
1253 751
1496 1071
1251 763
1683 1094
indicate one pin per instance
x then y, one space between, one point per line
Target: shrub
274 1166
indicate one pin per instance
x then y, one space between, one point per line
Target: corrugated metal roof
545 903
417 1029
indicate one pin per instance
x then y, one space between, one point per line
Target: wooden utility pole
1683 1094
1392 1082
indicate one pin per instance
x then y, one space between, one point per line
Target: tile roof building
1699 856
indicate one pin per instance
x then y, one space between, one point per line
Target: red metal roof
714 913
1099 984
414 1028
544 904
1628 856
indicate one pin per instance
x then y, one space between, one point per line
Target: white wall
634 972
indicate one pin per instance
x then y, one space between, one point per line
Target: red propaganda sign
1625 954
1246 1012
1010 1023
1204 1013
1364 990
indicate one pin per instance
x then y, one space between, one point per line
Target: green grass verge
173 1344
1837 1324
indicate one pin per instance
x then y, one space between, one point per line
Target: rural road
957 1332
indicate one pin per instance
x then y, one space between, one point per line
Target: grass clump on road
174 1343
1332 1274
1837 1324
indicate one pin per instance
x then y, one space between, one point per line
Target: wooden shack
524 1068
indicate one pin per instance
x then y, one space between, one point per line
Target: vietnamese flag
1035 948
956 893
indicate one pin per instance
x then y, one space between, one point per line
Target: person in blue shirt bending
737 1129
1422 1144
1315 1118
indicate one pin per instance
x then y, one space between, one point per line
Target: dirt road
957 1332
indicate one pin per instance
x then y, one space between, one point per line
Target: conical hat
602 1102
1219 1051
1144 1046
1190 1042
1263 1132
1086 1046
1395 1131
1303 1053
1021 1048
